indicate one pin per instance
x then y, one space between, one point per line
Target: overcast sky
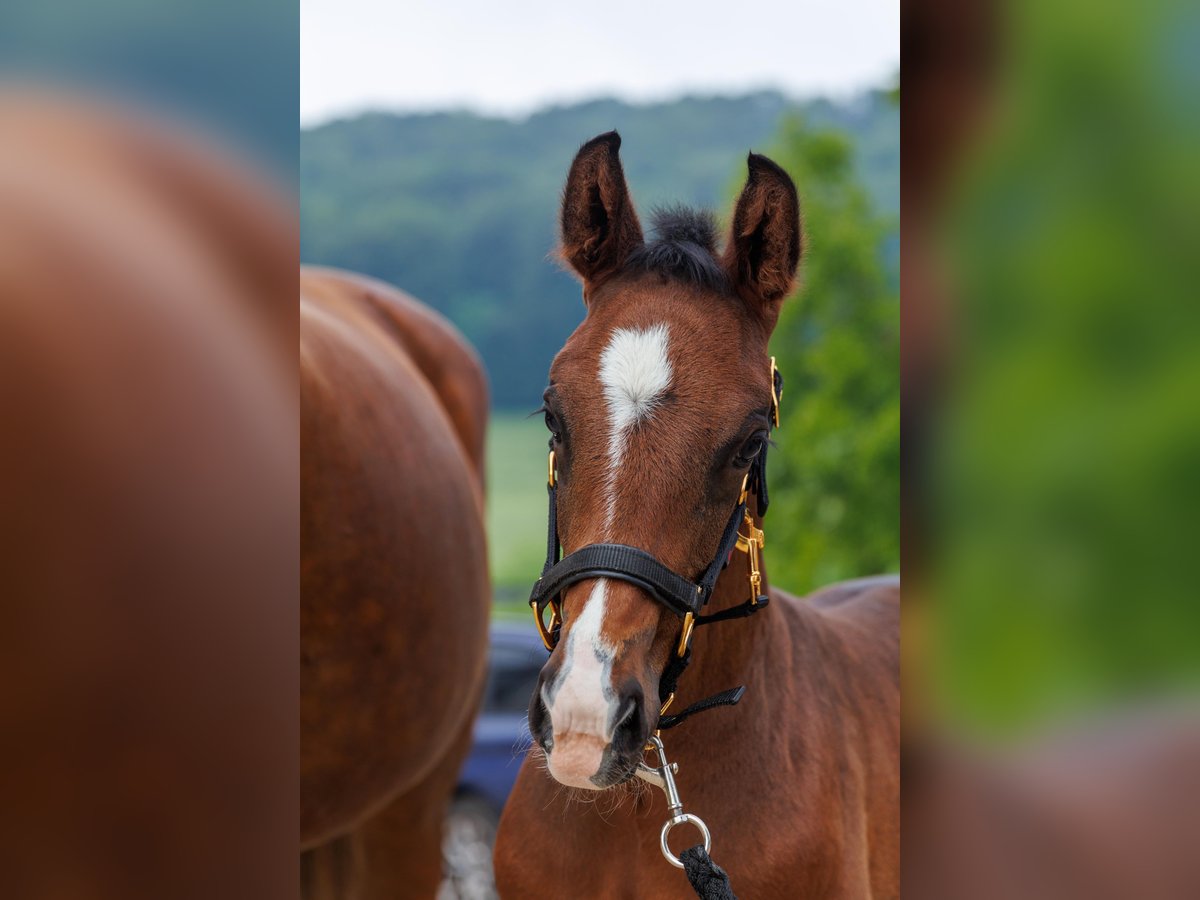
512 56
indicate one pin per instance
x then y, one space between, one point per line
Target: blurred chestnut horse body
658 408
394 585
148 509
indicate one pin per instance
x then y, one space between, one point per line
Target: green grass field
516 507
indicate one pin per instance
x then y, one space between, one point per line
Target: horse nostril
539 722
629 729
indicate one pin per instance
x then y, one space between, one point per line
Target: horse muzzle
580 754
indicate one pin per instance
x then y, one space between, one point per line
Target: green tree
835 474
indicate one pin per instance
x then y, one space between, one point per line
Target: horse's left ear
764 248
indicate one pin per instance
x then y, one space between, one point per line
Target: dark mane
683 247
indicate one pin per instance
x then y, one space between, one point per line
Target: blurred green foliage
516 513
1070 460
461 210
835 474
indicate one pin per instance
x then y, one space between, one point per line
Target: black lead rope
709 881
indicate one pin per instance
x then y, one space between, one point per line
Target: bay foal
658 406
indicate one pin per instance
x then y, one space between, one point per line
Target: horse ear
764 248
599 225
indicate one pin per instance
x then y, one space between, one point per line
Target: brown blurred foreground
148 512
1103 811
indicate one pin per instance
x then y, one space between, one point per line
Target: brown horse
394 583
659 408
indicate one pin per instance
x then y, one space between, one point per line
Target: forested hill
460 209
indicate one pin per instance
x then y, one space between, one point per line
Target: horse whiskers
525 745
606 802
538 756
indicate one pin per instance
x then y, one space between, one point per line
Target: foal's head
657 406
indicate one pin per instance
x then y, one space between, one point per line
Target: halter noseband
682 596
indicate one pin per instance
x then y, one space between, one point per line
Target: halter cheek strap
682 596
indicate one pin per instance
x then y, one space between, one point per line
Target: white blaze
635 372
579 703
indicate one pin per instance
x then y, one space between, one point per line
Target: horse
394 583
659 408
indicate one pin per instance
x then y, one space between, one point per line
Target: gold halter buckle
752 544
685 636
776 396
546 633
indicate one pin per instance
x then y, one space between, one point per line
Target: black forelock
683 246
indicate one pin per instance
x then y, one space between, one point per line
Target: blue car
501 739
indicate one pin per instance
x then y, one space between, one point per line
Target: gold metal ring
550 476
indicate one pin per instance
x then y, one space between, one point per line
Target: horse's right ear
599 225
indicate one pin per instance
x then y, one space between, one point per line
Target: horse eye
553 426
750 451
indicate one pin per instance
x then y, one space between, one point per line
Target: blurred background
226 67
1052 365
434 149
1051 372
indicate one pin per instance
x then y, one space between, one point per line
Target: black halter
682 596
